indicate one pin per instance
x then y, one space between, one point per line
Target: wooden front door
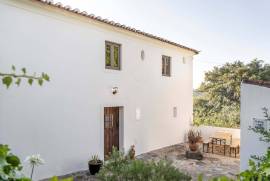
111 129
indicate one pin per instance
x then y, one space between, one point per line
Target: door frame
121 129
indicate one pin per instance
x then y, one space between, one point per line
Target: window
112 55
174 112
142 54
166 65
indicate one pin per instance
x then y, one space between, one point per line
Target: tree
218 99
9 78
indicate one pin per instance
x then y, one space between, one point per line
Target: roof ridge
112 23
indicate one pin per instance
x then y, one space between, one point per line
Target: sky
223 30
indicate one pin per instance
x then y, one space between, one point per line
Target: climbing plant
15 77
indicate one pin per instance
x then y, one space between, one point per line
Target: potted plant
131 152
94 164
193 138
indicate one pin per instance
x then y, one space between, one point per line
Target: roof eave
257 82
115 24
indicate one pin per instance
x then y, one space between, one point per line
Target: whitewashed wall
63 120
253 99
208 131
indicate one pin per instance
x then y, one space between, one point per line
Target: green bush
10 166
120 168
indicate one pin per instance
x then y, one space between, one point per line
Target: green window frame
166 65
112 55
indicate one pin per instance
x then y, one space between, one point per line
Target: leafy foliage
10 166
218 99
259 170
9 78
121 167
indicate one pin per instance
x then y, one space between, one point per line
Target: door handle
112 119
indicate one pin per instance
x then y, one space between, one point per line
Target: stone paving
211 165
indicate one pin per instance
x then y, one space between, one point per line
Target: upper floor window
166 65
112 55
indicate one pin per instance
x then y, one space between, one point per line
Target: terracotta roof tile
257 82
106 21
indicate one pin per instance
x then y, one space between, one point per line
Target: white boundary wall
208 131
253 99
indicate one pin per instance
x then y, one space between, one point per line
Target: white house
255 95
110 85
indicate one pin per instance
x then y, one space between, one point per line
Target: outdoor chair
221 140
235 147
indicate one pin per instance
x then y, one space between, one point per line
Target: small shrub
121 168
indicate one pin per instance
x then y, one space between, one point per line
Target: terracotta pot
193 146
